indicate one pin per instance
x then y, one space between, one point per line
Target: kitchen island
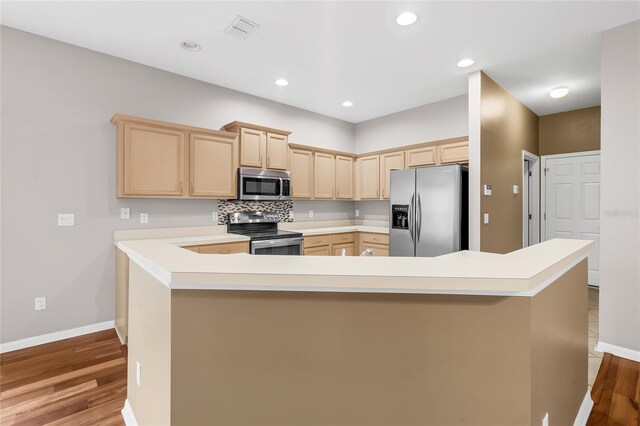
466 338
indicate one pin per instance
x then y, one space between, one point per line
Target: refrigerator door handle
419 218
410 217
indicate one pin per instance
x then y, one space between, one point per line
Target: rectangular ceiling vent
241 27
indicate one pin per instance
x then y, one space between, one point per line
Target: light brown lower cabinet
223 248
317 251
378 242
349 249
332 244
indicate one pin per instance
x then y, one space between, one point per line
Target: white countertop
524 272
341 229
206 239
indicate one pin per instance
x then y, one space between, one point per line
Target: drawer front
317 251
375 238
225 248
317 240
342 238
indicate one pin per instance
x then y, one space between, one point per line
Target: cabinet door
213 165
153 161
425 156
344 177
277 151
225 248
388 162
325 176
457 152
349 249
301 173
369 177
317 251
252 147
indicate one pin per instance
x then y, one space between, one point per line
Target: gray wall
373 210
439 120
58 156
620 188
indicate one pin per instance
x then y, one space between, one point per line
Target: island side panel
150 345
122 295
275 358
559 316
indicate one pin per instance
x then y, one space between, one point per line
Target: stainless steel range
265 238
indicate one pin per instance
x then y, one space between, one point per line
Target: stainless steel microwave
265 185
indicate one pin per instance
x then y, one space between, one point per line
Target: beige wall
620 188
572 131
507 128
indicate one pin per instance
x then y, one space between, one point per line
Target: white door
572 202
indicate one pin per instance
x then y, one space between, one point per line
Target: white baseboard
127 415
583 412
618 351
52 337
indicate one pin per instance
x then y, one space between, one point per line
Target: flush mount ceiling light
559 92
281 82
406 18
191 46
347 104
465 63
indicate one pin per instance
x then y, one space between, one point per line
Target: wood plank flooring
78 381
616 393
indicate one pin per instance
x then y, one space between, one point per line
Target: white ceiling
332 51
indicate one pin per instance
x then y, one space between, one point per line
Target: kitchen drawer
317 251
224 248
343 238
317 240
378 249
374 238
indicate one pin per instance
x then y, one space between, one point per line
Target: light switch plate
486 218
144 218
357 213
310 213
516 189
486 190
66 219
40 303
291 214
125 213
214 216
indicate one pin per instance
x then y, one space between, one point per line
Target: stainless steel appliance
429 211
262 229
266 185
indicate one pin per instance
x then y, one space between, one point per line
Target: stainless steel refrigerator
429 211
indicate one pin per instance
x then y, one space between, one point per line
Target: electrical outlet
138 372
41 303
357 213
144 218
545 419
125 213
486 218
214 216
291 214
310 213
66 219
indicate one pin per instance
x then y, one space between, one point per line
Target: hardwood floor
78 381
616 393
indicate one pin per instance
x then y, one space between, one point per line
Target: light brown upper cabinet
325 175
153 161
261 147
301 173
156 159
424 156
213 161
388 162
344 177
369 177
457 152
277 152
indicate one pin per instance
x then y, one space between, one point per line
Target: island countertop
523 272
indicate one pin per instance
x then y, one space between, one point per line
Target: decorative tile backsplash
282 208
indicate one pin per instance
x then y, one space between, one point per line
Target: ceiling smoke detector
241 27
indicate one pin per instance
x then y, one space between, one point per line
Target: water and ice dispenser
400 216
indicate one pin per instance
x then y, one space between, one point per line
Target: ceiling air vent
241 27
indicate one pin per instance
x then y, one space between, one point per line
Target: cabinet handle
225 252
268 161
261 159
192 187
180 186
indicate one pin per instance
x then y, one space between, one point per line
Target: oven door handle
280 242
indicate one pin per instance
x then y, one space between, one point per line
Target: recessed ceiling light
281 82
347 104
559 92
191 46
406 18
465 63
